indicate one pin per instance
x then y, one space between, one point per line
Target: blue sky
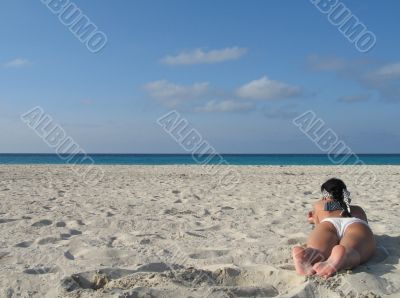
239 71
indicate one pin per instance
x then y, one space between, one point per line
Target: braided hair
336 188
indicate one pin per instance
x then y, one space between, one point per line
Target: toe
297 252
317 267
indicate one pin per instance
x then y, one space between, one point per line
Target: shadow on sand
386 256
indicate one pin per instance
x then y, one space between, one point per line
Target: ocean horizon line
215 159
190 154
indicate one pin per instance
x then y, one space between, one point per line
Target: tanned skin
325 253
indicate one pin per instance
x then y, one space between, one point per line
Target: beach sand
174 231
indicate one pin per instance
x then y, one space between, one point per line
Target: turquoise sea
172 159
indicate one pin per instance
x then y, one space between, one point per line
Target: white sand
171 231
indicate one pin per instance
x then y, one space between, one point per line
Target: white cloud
319 63
17 63
385 80
171 94
199 56
267 89
225 106
386 72
367 73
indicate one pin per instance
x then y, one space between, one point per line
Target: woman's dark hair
335 187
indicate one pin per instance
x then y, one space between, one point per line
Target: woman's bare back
319 214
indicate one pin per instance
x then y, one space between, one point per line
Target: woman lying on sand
341 238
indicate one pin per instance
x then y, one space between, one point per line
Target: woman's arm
359 212
310 217
317 208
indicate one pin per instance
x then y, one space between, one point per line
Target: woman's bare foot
333 264
304 258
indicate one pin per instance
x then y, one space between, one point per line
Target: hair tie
326 195
347 199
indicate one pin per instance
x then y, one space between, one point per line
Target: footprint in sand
65 236
72 232
229 282
144 241
48 240
211 228
69 256
40 270
60 224
227 208
75 232
208 254
4 254
24 244
42 223
251 291
5 220
80 222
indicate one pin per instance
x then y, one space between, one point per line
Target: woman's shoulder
319 202
319 205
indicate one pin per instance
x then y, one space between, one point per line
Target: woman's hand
310 217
